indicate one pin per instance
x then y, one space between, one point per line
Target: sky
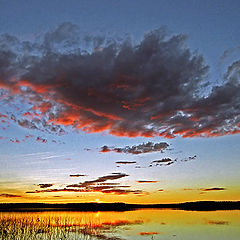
119 101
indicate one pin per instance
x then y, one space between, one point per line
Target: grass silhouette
54 228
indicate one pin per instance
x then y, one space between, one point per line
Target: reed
14 227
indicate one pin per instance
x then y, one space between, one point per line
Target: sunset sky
119 101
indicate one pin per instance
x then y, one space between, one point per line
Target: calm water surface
135 225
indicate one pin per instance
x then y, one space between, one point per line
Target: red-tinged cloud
109 183
125 162
14 140
146 181
106 191
105 149
45 185
7 195
97 185
58 190
155 87
101 179
122 191
138 149
213 189
41 140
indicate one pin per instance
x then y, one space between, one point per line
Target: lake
146 224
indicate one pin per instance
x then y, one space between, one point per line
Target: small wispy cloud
45 185
125 162
77 175
146 181
213 189
7 195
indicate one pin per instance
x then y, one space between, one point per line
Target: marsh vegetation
15 227
144 224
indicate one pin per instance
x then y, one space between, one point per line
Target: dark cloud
97 185
169 161
164 160
42 140
156 87
138 149
213 189
109 183
58 190
123 191
77 175
146 181
203 190
101 180
112 190
7 195
105 149
125 162
45 185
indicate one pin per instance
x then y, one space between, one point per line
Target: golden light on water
126 225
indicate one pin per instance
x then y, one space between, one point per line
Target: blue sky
212 29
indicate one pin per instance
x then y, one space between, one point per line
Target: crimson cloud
155 87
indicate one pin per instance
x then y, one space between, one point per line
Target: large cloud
100 180
98 185
150 88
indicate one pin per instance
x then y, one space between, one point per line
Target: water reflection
135 225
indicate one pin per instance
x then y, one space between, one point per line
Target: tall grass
15 227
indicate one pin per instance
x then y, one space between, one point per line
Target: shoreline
119 207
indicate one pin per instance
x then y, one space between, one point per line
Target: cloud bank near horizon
156 87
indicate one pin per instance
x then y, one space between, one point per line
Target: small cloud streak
7 195
41 140
205 190
77 175
107 191
146 181
45 185
125 162
213 189
169 161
